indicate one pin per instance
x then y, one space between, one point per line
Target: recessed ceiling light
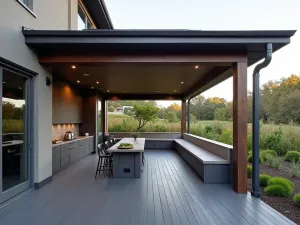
86 74
157 91
73 67
78 81
97 82
196 67
107 90
182 82
175 90
92 87
124 90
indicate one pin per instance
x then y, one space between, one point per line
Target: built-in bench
211 160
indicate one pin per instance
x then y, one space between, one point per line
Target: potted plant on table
143 113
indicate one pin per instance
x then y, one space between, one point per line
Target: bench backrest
217 148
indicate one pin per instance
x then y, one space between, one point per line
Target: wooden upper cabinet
66 103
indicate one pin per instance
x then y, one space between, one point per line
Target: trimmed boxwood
250 159
264 153
273 189
297 199
292 156
276 190
249 171
264 179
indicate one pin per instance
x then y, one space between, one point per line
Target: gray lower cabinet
56 166
66 154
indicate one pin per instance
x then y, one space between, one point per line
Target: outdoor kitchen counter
74 140
138 145
128 162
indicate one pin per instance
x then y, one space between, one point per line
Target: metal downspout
188 116
255 122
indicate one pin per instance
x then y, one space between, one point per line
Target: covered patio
153 65
169 192
161 65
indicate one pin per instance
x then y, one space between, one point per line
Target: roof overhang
217 50
47 42
99 13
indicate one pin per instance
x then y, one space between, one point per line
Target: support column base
255 194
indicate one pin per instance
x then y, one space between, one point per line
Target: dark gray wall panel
66 103
216 174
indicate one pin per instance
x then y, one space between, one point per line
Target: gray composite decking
169 192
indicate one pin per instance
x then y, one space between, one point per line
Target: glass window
83 20
14 122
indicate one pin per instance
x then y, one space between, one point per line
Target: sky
218 15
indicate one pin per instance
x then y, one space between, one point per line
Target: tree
222 114
8 110
197 105
174 107
171 117
289 108
111 108
144 113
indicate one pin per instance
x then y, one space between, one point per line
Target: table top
138 145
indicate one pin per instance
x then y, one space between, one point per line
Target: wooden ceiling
142 78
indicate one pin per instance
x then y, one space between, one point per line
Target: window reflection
14 153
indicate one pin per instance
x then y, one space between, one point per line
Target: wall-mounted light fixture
48 81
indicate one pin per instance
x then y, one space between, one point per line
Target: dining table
127 163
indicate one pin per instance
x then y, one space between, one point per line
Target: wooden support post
183 116
240 121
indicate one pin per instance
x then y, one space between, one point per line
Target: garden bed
283 205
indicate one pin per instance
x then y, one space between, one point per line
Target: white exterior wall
53 14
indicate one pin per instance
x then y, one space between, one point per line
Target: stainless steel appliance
69 136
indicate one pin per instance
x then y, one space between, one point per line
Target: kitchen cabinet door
56 166
55 153
65 162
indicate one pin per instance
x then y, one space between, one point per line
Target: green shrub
250 159
264 153
226 136
292 156
275 190
249 171
217 128
208 129
264 179
274 140
297 199
286 184
295 169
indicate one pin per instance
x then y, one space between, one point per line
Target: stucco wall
52 14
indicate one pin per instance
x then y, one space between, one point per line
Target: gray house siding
54 14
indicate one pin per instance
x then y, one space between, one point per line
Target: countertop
11 143
77 139
138 145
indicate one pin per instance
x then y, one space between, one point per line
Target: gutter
255 122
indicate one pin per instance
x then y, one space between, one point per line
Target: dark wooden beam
116 97
183 116
158 58
212 78
240 120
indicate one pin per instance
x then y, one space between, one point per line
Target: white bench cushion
204 156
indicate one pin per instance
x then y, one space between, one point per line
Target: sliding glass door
15 141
